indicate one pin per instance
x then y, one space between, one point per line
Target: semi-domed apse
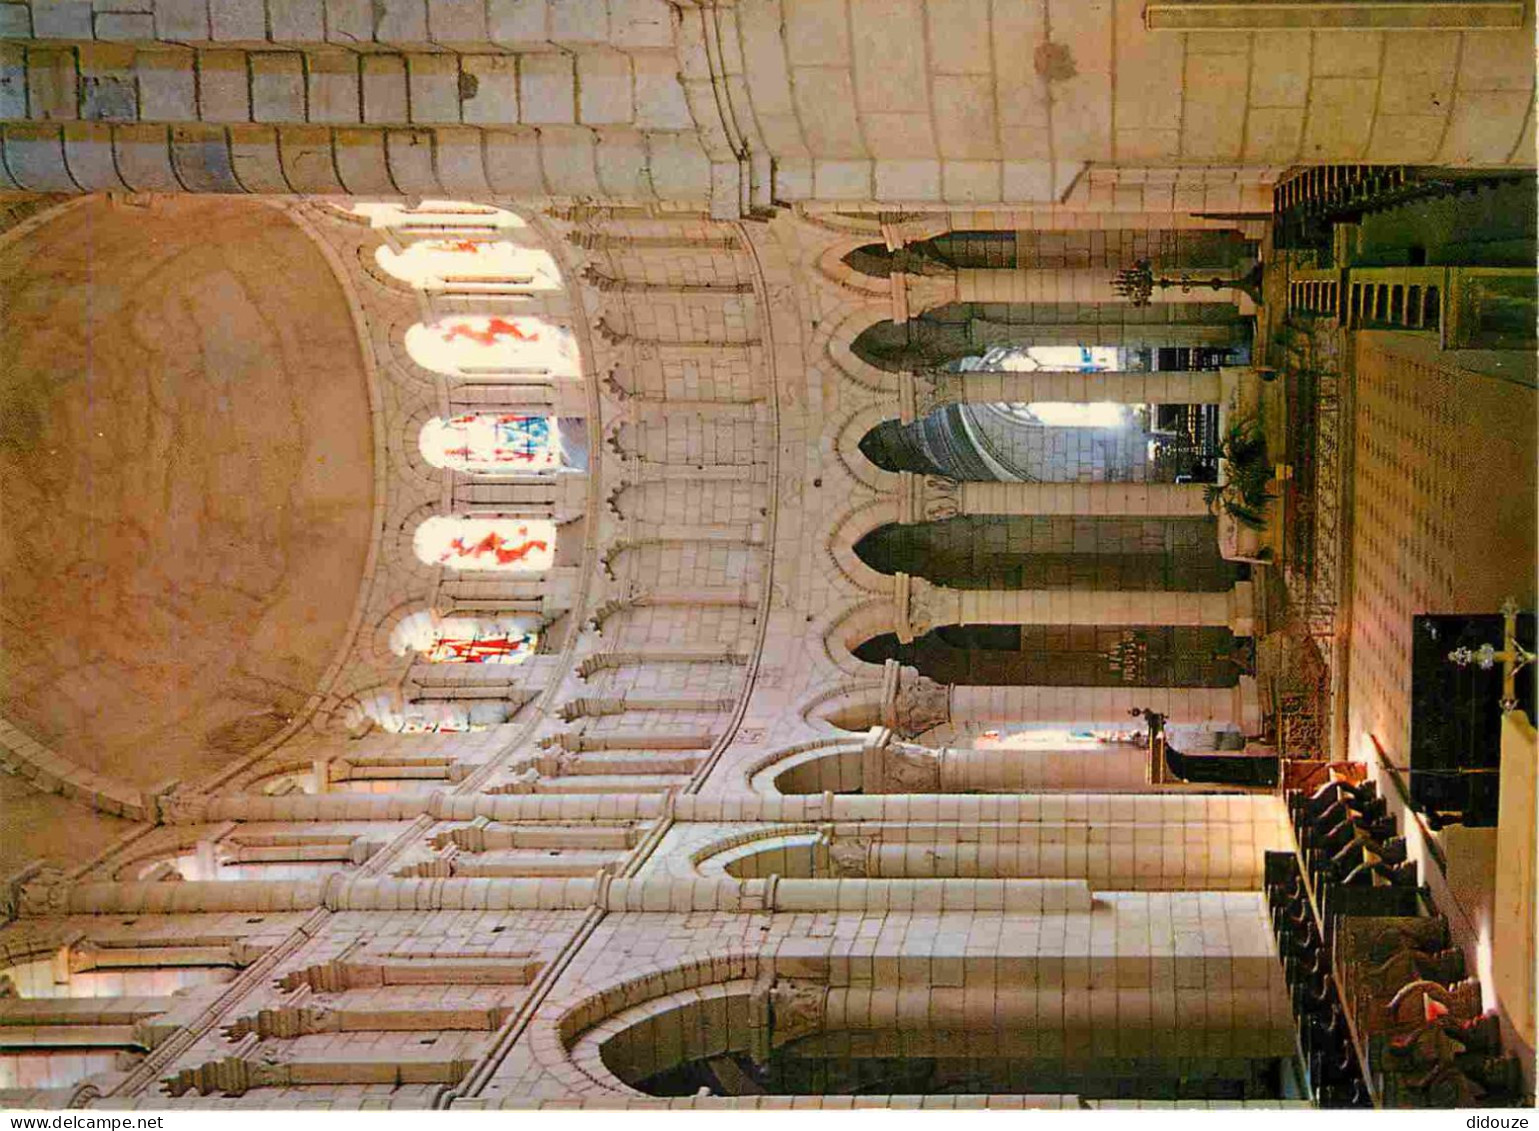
186 470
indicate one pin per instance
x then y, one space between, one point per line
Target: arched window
448 718
483 345
451 217
493 442
470 259
1051 359
468 640
511 545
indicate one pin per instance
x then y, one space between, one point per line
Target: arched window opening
1057 359
470 259
486 345
266 856
435 716
508 545
431 217
1006 655
451 718
468 640
49 1043
496 443
1053 442
1162 336
1037 443
923 1040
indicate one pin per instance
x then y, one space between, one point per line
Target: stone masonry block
349 21
277 87
567 158
547 90
13 81
517 23
167 86
236 21
333 86
62 19
461 168
640 23
51 85
360 157
579 21
144 158
384 88
907 180
410 153
435 88
659 96
842 180
401 22
513 162
307 159
15 21
181 20
622 165
457 23
296 21
223 88
604 88
201 155
88 153
968 182
125 27
489 89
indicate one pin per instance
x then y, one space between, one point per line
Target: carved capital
922 606
924 392
848 856
907 768
927 498
941 498
797 1009
919 704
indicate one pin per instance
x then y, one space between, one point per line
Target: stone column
1072 284
1112 768
923 606
1100 705
929 391
1163 500
912 295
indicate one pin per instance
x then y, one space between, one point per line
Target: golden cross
1513 657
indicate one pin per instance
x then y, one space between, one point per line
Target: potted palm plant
1244 496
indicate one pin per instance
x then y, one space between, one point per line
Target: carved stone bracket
922 606
927 498
847 856
796 1010
920 394
908 768
911 703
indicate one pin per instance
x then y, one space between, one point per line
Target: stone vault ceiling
185 481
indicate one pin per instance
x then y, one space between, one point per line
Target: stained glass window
470 259
475 642
485 441
494 345
506 544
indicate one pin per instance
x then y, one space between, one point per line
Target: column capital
912 703
921 393
927 498
912 295
923 606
